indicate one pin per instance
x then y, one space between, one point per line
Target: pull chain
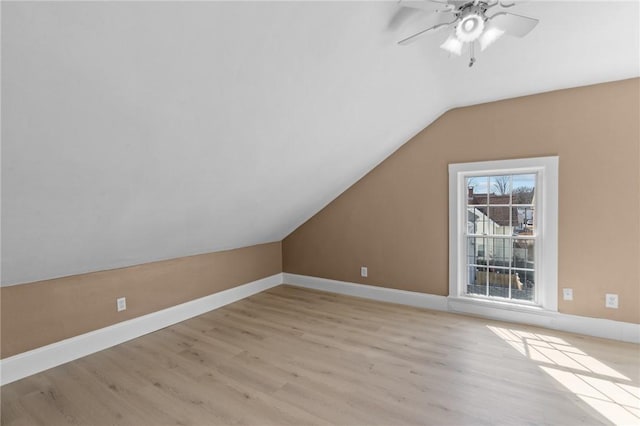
472 59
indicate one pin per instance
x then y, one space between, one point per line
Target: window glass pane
524 189
475 251
476 220
523 286
500 220
519 290
498 283
476 272
499 251
523 254
500 189
524 221
477 280
477 190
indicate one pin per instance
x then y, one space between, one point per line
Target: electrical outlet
364 272
121 304
611 300
567 293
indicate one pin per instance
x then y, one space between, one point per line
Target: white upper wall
134 132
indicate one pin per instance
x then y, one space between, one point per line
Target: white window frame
546 169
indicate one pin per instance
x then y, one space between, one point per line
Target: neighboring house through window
503 232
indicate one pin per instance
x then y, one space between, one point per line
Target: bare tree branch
501 184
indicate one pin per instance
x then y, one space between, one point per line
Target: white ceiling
134 132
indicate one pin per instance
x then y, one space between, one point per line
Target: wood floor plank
294 356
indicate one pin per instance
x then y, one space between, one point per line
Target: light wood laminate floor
292 356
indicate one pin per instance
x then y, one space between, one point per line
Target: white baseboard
383 294
597 327
40 359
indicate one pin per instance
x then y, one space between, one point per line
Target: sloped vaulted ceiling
134 132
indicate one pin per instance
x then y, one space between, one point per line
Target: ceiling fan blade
511 3
426 5
512 24
409 8
438 19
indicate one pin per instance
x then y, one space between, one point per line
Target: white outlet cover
121 304
364 271
567 293
611 301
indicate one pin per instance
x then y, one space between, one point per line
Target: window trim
547 227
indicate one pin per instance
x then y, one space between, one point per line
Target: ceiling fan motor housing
472 20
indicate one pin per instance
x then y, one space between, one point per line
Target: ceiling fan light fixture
468 23
452 45
489 36
470 28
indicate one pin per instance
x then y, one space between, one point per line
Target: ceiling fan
470 21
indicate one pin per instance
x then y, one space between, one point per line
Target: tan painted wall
395 220
44 312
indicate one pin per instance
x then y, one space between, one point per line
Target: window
503 231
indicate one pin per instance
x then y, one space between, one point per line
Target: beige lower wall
44 312
395 219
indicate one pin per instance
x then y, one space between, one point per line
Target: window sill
499 310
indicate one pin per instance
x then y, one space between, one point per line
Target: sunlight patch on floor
604 389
